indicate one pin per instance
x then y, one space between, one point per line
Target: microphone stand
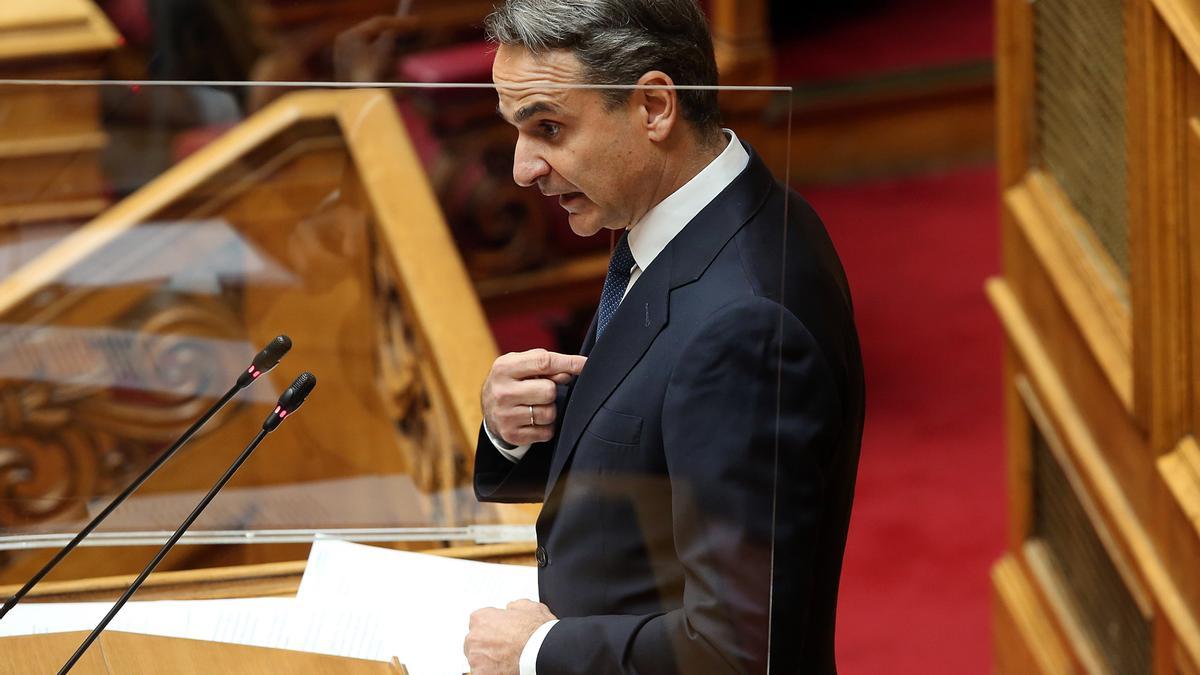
262 363
289 401
162 552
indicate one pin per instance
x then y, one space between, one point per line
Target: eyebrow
530 110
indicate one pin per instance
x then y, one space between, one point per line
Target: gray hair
618 41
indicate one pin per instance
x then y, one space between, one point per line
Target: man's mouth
569 199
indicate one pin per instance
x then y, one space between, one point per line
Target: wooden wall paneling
1179 522
1184 664
1019 459
1103 483
1025 638
1083 276
1052 596
1113 361
1036 558
1192 227
1182 17
1180 541
1037 365
1172 164
1014 119
1015 90
1079 485
1047 232
1164 650
1158 251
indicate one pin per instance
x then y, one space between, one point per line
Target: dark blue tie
619 268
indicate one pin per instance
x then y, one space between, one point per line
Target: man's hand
497 636
521 381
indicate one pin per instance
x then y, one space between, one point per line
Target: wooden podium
117 652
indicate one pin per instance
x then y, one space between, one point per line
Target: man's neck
693 160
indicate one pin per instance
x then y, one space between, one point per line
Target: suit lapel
643 313
589 340
638 320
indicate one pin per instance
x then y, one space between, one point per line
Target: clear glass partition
145 261
311 217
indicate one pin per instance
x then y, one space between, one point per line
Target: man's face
569 144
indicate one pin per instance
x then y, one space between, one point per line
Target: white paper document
430 598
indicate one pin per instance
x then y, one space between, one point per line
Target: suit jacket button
542 558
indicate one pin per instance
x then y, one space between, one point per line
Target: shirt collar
661 223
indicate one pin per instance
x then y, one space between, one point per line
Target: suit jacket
697 492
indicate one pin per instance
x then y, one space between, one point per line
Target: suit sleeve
724 446
499 479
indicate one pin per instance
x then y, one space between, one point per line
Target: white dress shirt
647 238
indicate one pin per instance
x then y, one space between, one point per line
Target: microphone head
290 400
293 396
265 360
270 355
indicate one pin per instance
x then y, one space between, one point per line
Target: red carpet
929 513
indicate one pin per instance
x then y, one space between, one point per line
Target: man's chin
583 225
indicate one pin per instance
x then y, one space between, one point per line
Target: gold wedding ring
531 422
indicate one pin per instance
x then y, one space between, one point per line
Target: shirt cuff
530 653
512 453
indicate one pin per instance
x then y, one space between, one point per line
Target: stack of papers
358 601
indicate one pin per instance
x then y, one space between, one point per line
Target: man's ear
658 105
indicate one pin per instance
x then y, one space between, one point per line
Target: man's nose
528 166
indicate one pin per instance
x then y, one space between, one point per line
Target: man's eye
549 129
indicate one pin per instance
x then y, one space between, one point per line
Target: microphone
263 362
291 400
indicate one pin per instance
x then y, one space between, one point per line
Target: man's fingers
542 363
570 364
530 416
526 392
520 381
513 424
562 378
530 435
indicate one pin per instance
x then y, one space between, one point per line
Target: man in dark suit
696 461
